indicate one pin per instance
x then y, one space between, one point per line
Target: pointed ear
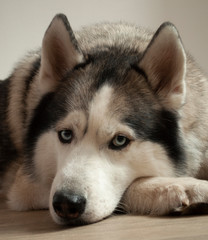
60 53
164 62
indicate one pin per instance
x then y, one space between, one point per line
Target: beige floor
38 225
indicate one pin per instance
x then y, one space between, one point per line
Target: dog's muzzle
68 205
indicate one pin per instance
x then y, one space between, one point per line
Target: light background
23 22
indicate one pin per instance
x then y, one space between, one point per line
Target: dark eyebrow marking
139 71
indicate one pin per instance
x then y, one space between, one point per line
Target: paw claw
185 202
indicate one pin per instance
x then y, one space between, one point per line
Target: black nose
68 205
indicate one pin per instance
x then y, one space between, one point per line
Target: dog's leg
161 196
26 194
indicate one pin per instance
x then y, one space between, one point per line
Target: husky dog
112 115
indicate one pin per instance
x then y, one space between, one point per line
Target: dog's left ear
164 62
60 53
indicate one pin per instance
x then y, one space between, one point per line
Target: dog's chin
77 222
82 220
72 223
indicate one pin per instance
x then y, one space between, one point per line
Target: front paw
162 196
168 198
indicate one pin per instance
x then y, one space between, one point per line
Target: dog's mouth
70 209
78 221
72 223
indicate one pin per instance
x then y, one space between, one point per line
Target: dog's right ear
164 63
60 53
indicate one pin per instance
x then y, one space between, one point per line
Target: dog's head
108 116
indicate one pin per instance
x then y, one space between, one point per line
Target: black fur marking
42 119
107 75
139 71
160 127
8 152
77 67
48 111
167 133
113 64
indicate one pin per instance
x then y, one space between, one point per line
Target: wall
23 22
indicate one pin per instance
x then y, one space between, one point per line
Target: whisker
120 209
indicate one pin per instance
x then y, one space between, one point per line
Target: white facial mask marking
101 175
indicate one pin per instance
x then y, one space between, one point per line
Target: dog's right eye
119 142
65 136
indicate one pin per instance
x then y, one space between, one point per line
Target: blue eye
65 136
119 142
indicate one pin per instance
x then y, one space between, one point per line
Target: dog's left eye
65 136
119 142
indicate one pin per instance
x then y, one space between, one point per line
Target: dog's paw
170 197
162 196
